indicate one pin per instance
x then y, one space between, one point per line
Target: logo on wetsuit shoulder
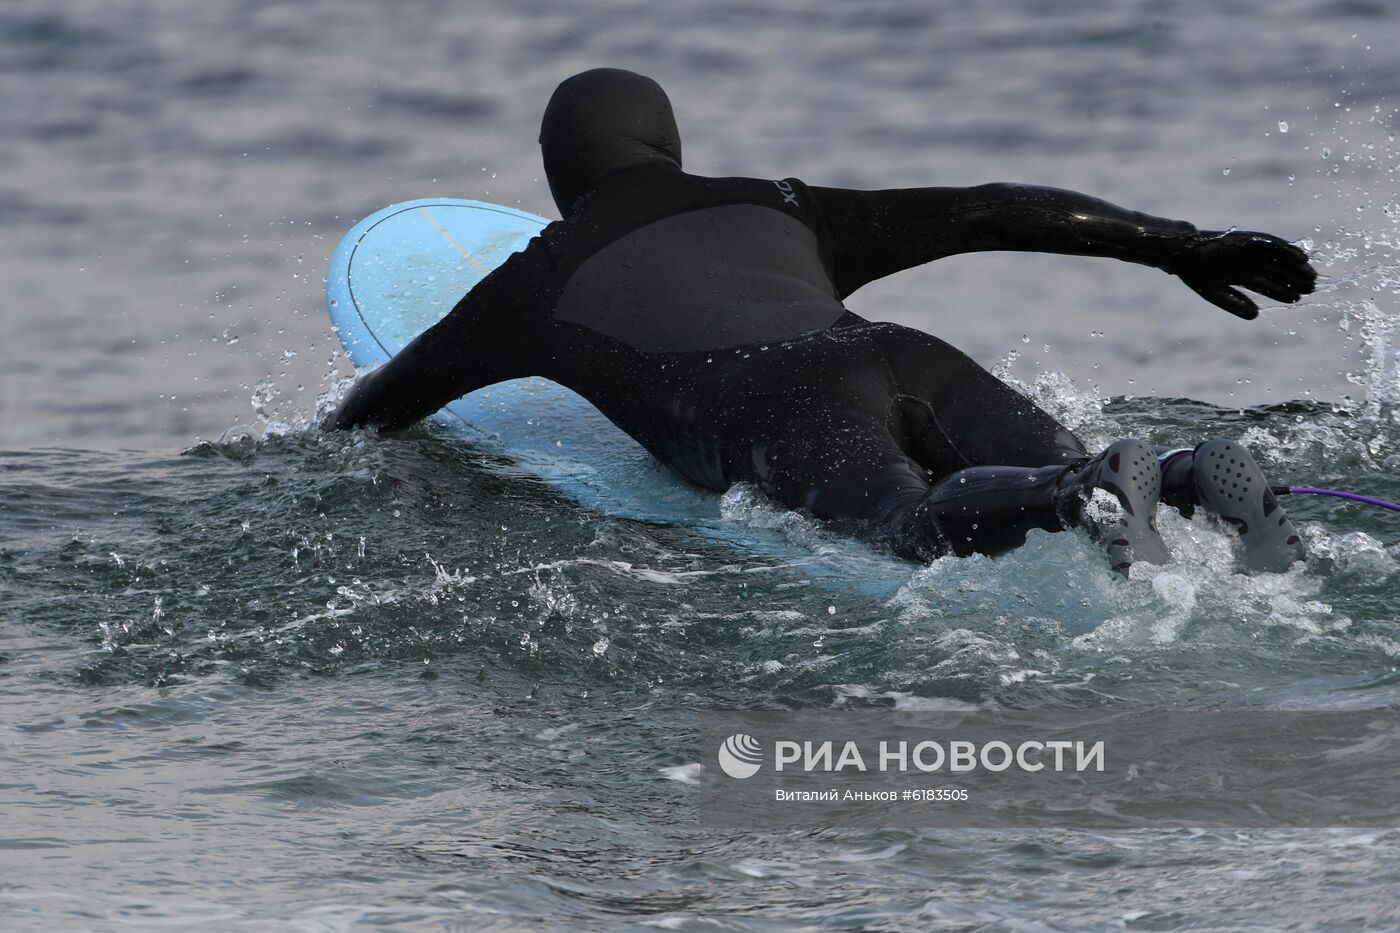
789 195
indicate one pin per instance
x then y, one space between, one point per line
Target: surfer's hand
1216 265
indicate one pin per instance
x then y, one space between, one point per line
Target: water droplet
1283 126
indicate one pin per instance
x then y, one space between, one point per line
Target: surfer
704 317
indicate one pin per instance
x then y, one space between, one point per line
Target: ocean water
254 675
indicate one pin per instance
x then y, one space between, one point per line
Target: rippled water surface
258 676
322 679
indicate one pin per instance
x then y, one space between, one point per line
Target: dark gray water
269 678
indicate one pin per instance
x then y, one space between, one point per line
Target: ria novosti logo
740 756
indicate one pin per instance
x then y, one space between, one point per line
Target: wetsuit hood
601 121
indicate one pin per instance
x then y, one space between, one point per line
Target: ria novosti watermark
784 770
740 756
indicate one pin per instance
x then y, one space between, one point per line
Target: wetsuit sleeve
876 233
481 341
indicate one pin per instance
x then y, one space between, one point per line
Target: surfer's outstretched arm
876 233
474 346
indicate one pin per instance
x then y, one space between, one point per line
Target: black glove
1213 262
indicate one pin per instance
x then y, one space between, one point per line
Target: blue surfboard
402 268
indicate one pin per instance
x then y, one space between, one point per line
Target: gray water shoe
1230 484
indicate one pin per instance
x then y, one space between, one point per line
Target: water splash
1360 247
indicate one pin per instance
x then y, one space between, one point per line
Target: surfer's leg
960 422
829 425
848 470
853 473
822 427
990 509
954 414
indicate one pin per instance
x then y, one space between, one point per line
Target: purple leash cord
1337 493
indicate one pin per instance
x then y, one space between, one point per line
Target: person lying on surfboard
704 317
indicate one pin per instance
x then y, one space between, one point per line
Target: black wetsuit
704 317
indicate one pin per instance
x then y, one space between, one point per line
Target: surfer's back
665 262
